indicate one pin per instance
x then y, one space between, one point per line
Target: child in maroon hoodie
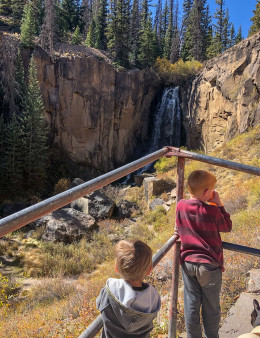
198 225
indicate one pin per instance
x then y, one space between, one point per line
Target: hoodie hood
133 309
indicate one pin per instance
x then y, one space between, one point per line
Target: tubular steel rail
32 213
97 324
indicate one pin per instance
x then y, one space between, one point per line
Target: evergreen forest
132 33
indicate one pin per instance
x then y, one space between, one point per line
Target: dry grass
65 313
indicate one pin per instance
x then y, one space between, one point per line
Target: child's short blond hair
200 180
133 259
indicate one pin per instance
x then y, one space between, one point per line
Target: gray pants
202 284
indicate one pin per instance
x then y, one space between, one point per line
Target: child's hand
215 199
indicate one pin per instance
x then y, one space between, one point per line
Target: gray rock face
67 225
96 113
99 205
224 99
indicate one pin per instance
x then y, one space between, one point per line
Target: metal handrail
97 324
32 213
172 151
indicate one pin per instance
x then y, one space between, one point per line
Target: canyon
101 116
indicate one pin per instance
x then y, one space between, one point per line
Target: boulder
160 186
125 209
155 187
80 204
77 181
254 281
67 225
99 205
155 203
138 179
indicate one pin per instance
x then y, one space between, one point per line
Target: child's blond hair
133 259
200 180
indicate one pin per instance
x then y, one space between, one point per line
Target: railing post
176 256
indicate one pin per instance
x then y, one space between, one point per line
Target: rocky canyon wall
98 115
224 99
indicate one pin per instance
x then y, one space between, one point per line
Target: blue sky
240 12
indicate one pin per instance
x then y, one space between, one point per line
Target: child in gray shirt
128 306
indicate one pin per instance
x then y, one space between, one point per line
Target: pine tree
255 20
118 31
196 31
87 13
13 164
168 34
158 23
164 26
175 44
186 30
34 130
210 51
39 9
226 31
148 48
101 25
28 30
76 39
219 26
5 8
239 36
232 37
17 7
91 37
20 87
135 29
69 12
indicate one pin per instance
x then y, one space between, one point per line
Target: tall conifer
239 36
101 25
34 130
91 35
118 31
186 29
28 29
255 19
135 30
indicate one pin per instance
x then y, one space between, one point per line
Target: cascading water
167 122
166 127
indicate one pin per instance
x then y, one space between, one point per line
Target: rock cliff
98 115
224 99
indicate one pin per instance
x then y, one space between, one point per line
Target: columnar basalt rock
224 99
98 114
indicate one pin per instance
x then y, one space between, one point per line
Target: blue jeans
202 284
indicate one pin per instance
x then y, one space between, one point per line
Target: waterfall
166 126
167 121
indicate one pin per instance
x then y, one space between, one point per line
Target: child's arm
223 221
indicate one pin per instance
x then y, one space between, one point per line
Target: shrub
8 289
62 185
177 73
165 164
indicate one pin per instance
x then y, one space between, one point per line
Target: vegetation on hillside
129 32
58 306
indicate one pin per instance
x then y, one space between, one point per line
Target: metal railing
32 213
